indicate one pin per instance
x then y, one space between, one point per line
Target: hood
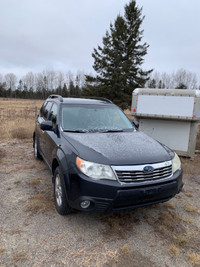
120 148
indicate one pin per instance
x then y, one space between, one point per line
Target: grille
136 174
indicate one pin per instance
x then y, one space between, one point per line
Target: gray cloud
62 34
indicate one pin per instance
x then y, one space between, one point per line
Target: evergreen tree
2 89
118 62
181 86
72 89
152 84
65 91
160 85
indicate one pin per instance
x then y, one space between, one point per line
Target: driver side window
53 114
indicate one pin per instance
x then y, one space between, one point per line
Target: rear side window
53 114
46 110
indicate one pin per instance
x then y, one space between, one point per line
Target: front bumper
112 196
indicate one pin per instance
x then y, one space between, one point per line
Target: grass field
17 117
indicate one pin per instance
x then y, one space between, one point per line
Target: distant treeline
40 85
181 79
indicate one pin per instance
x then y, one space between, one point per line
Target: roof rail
99 98
56 96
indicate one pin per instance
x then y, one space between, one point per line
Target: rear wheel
36 151
60 196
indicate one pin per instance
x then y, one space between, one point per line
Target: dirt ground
33 234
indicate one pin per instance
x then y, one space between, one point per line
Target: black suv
99 160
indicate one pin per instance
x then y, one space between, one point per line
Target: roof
84 101
89 100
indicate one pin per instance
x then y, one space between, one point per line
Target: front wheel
60 197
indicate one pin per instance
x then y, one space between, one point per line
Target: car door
38 122
44 113
51 137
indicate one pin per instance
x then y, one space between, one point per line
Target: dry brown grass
116 224
167 223
21 133
15 231
181 234
2 250
194 258
128 114
105 257
191 167
191 208
174 250
35 181
187 193
2 155
198 140
40 203
126 257
17 117
187 220
170 205
19 256
182 240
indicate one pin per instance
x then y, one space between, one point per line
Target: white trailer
169 115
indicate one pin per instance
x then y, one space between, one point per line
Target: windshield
84 118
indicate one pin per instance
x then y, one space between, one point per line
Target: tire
36 151
60 196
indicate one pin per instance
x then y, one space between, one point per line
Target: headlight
95 170
176 163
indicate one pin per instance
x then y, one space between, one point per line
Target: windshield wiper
76 131
111 131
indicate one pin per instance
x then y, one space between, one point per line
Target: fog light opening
85 204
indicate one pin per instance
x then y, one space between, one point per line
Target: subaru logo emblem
148 169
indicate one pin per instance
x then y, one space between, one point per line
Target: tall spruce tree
118 62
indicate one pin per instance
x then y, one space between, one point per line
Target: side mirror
46 125
136 124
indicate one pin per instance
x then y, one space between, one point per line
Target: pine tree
72 91
181 86
152 83
65 91
118 62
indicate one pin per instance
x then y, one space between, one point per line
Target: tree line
42 84
180 79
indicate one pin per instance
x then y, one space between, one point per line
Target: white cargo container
169 115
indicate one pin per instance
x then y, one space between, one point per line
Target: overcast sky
61 34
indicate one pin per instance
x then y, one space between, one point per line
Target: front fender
62 161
